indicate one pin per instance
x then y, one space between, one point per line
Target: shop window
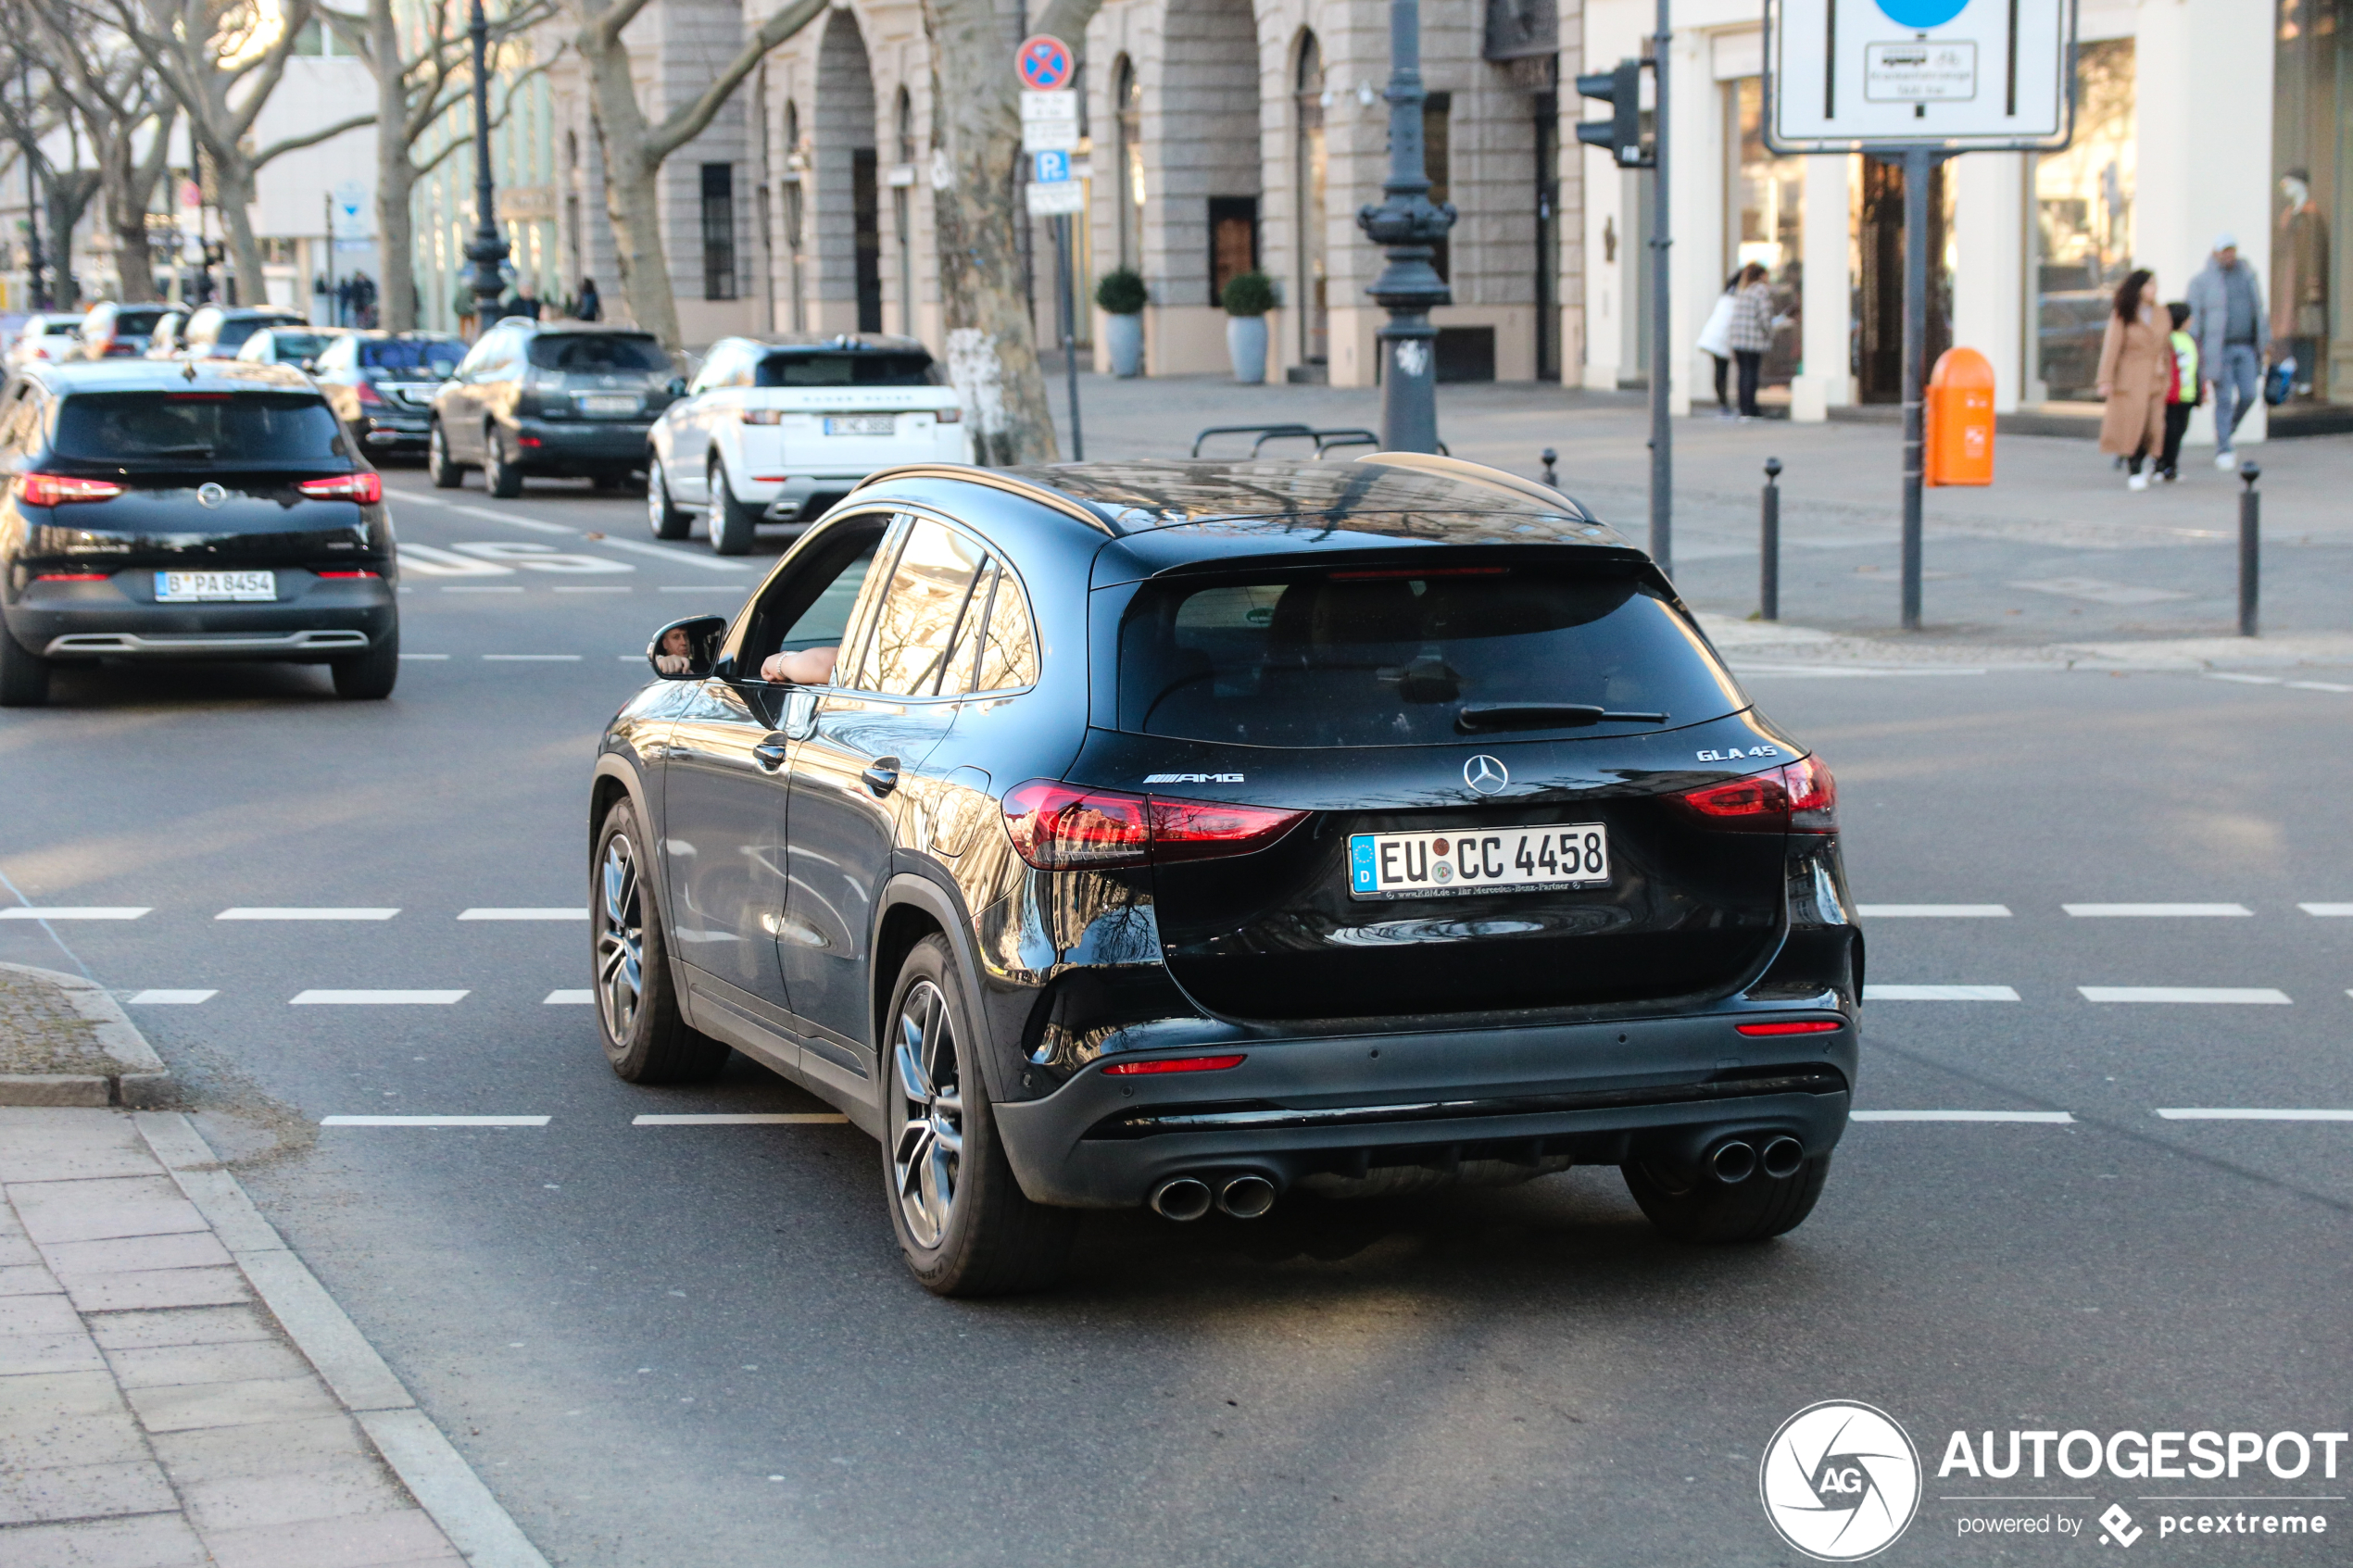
2084 226
1315 316
1438 111
1128 97
2311 180
1233 240
1765 220
719 230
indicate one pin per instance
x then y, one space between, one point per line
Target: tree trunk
233 179
126 220
632 200
396 181
992 341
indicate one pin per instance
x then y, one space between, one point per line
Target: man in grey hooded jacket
2233 335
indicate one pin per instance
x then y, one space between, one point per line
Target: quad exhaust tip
1181 1198
1246 1196
1735 1160
1782 1157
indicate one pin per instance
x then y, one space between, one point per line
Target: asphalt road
696 1345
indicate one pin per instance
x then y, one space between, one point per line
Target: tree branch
310 139
687 123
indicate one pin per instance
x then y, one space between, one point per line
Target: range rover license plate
193 588
1460 861
862 424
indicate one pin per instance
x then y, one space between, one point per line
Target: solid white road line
243 912
432 1121
2042 1116
525 914
170 998
1933 911
2211 1115
681 557
375 998
1939 994
74 911
533 657
2155 911
2326 908
738 1117
571 998
2257 996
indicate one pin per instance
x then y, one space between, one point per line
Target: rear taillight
1174 1064
57 489
339 576
367 395
1792 1026
365 488
1057 827
1798 798
947 416
72 577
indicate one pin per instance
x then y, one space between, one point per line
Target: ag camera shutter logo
1839 1481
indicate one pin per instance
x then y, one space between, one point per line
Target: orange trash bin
1961 419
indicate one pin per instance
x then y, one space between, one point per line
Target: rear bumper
381 432
96 620
790 499
1595 1094
566 446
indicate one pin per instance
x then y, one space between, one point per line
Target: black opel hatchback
203 510
1186 835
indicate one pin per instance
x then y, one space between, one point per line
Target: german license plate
608 402
862 424
1460 861
192 588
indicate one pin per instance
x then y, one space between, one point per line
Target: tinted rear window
437 359
132 319
847 369
1386 657
579 351
298 345
178 427
60 329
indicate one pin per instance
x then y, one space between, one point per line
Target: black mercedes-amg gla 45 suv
1186 835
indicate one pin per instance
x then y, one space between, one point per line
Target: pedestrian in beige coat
2136 366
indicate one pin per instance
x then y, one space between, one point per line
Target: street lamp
488 248
1409 225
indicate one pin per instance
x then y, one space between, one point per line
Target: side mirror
677 386
685 650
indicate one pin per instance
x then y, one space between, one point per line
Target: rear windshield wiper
1475 717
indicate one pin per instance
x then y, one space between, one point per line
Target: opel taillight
57 489
1060 827
365 488
1798 798
367 393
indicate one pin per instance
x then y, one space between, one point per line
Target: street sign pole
1049 138
1920 165
1066 311
1661 320
334 318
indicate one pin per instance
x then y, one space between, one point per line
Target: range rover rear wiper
1476 717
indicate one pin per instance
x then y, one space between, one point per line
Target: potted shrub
1246 298
1121 296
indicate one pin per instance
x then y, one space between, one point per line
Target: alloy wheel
927 1158
621 939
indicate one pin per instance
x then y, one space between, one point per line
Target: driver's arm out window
819 605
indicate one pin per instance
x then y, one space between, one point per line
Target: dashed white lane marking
2317 686
1939 994
2157 911
260 912
75 911
424 657
687 588
2252 996
525 914
170 998
432 1121
618 589
705 562
375 998
533 657
740 1118
2202 1114
2343 910
2244 680
481 590
571 999
2051 1117
1933 911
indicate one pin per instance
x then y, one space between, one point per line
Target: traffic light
1621 89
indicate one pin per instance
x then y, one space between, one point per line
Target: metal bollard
2251 549
1769 546
1550 457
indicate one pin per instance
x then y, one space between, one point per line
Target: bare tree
117 99
65 192
221 59
636 150
417 83
992 337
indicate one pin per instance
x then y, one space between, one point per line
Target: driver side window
822 603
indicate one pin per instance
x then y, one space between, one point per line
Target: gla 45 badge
1735 753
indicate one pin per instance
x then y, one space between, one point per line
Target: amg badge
1192 778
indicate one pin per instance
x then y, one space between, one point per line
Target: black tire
24 676
499 474
1710 1210
648 1041
663 515
440 467
371 676
733 525
994 1240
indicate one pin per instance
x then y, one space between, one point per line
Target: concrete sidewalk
176 1389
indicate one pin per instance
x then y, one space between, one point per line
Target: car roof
256 312
569 328
171 375
377 335
814 343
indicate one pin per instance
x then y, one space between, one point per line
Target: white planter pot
1246 346
1124 336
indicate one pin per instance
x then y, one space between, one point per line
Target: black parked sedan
207 509
382 386
1185 834
567 401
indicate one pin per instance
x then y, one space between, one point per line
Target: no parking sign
1043 63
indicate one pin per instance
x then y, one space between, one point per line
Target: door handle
881 775
769 755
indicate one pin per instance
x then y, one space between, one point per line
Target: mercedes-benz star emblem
210 494
1486 774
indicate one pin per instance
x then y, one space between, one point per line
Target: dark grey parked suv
567 401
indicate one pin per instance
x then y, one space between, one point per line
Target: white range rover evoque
777 430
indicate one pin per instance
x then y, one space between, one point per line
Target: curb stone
138 1080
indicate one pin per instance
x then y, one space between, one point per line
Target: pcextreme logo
1839 1481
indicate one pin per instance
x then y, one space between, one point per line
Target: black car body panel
519 386
383 384
1597 1022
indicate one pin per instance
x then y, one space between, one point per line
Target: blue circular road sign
1921 14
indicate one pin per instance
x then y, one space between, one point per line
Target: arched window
903 213
1315 321
795 172
1127 103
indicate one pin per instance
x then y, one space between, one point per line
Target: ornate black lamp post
488 248
1408 224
